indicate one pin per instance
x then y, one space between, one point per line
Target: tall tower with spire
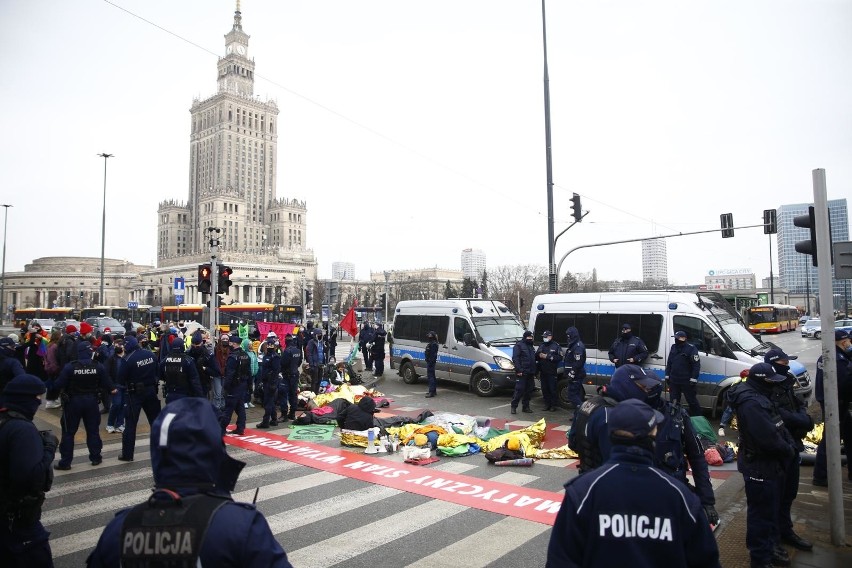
233 168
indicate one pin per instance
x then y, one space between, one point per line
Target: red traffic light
205 272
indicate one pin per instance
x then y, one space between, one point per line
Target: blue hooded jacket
188 456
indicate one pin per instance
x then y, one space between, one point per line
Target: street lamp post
103 155
3 284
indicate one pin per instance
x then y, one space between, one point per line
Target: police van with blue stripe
475 340
725 346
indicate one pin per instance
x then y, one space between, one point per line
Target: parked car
102 323
62 324
813 328
46 324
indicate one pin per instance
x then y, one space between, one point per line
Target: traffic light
204 283
309 297
383 299
770 222
576 207
727 225
224 279
810 246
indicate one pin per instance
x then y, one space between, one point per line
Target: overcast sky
415 129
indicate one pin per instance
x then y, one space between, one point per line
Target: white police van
475 340
725 346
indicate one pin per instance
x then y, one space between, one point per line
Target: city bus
23 316
115 312
231 315
286 313
183 312
772 318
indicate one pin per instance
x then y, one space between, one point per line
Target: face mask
681 340
781 369
529 339
547 339
626 333
848 348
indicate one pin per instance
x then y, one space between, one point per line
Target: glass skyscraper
796 270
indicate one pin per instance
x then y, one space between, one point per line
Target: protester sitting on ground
358 416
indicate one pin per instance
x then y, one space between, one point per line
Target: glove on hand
712 515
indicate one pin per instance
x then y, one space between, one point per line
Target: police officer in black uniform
291 363
138 376
80 382
575 366
547 359
676 450
765 446
190 519
270 378
365 340
843 355
628 348
523 358
378 350
628 511
682 371
179 373
237 373
25 475
205 364
431 356
10 367
798 422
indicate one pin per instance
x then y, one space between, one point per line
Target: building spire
238 18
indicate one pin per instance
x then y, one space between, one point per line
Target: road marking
367 537
502 498
502 538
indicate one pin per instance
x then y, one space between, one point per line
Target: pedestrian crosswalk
320 518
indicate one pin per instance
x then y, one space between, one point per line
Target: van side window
460 327
586 324
702 336
648 327
438 324
407 327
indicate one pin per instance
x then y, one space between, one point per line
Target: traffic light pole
829 361
559 267
214 281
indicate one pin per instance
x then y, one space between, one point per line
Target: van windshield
730 325
499 330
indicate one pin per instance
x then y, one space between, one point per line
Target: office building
655 267
796 271
342 271
473 264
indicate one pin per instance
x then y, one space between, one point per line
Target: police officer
523 358
365 340
317 357
627 348
291 363
179 373
80 381
25 475
207 367
676 450
765 446
682 371
192 471
547 359
431 356
237 373
798 422
378 350
270 378
138 376
10 367
843 355
628 510
575 366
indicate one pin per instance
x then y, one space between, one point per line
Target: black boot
262 425
526 409
292 415
514 410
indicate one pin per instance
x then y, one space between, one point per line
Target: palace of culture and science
233 168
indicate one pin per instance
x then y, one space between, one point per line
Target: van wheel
482 384
409 377
562 393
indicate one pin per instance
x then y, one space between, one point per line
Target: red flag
349 325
